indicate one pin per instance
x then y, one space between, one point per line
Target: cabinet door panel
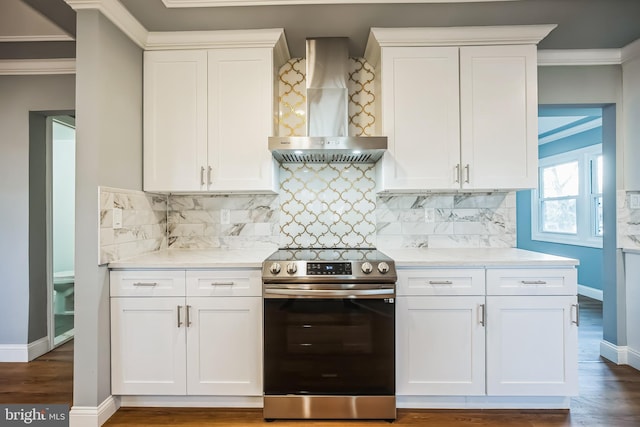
175 120
224 346
420 113
440 346
240 119
532 346
499 110
147 346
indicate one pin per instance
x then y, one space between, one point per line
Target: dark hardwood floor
609 395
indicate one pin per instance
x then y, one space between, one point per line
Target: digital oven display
328 268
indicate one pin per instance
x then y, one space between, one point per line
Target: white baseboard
616 354
93 416
633 358
38 348
193 401
24 352
590 292
483 402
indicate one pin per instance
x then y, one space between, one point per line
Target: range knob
274 268
292 268
367 268
383 267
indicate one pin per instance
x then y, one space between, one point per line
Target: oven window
329 346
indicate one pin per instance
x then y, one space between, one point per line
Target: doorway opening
61 231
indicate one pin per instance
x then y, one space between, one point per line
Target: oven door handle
330 294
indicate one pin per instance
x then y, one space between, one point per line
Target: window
567 206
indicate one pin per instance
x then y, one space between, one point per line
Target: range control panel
328 268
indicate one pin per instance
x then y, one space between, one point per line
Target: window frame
586 209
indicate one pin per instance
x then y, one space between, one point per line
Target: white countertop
474 258
248 258
197 258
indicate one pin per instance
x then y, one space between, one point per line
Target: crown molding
164 40
631 51
117 14
49 38
29 67
223 3
565 57
452 36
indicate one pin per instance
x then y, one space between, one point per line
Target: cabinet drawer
437 281
147 283
543 281
224 282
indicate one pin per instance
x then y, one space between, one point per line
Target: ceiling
582 24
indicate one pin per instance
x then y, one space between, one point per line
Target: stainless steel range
329 334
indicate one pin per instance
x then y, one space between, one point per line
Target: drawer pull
577 321
533 282
146 284
222 283
440 282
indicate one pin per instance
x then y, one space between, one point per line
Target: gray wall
20 95
602 86
108 153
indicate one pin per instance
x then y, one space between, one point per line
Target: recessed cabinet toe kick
329 334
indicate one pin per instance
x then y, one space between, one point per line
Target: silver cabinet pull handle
440 282
222 283
577 321
188 318
209 175
145 284
533 282
179 320
202 175
483 315
458 173
466 168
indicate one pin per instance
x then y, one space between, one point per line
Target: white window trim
584 235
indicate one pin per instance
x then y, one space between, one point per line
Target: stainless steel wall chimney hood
328 137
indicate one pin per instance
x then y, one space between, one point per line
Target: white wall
108 153
21 94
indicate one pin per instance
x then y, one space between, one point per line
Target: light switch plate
429 215
117 218
634 201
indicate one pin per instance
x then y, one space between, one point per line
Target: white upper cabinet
208 113
175 119
459 106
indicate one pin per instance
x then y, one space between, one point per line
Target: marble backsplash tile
473 220
628 220
144 223
194 221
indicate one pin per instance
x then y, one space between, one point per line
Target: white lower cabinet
532 346
147 346
507 342
441 345
185 345
224 351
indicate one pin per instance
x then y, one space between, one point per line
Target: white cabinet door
440 345
240 120
175 120
499 114
420 113
224 346
532 346
148 346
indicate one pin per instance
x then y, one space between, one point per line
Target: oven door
339 342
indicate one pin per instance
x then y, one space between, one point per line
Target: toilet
63 285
